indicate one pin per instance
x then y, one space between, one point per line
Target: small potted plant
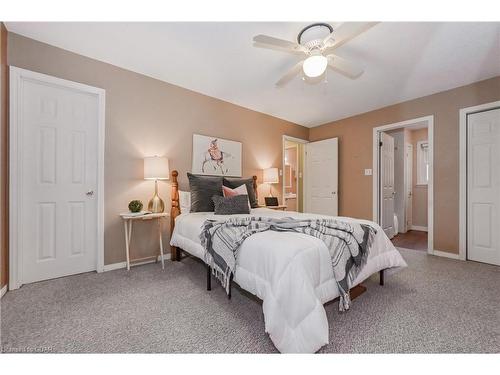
135 206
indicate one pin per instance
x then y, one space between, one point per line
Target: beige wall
419 201
4 226
145 117
355 153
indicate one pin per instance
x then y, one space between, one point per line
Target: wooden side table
281 207
128 219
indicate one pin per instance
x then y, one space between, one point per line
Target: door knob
90 193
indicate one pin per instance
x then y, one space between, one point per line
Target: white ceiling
402 61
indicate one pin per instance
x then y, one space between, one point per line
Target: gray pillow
203 188
233 183
237 204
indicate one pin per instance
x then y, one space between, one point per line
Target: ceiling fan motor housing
313 45
315 65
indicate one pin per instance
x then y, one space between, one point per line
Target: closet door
55 135
483 186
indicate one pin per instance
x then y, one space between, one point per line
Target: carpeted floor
436 305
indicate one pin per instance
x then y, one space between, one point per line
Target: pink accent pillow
240 190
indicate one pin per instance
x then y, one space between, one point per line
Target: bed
290 272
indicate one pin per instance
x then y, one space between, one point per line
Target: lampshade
156 168
271 176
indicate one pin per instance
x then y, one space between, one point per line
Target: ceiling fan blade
345 67
290 74
329 40
346 32
265 41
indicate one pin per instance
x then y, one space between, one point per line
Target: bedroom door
322 177
56 137
483 186
387 184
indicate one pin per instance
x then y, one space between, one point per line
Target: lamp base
156 205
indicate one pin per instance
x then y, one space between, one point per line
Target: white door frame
302 193
462 239
430 184
17 75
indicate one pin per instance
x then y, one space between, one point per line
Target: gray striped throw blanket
348 244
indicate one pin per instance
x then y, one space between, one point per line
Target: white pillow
185 201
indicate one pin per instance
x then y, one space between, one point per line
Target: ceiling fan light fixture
315 65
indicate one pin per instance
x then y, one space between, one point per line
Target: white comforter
291 273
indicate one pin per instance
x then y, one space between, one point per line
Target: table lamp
156 168
271 177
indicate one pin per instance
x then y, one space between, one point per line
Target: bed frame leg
381 276
173 253
209 278
230 285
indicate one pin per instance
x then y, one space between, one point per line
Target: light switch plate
368 172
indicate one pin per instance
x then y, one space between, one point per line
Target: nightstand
281 207
128 219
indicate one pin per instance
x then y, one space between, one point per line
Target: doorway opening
293 173
403 182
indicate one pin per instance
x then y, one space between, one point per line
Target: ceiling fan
318 53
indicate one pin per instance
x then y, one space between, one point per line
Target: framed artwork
216 156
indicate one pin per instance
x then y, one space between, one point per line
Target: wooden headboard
175 210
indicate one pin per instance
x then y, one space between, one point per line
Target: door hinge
380 144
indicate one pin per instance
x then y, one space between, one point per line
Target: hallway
413 239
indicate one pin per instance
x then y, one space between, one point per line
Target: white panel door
387 184
409 186
59 180
322 177
483 186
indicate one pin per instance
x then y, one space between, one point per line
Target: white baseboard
419 228
445 254
119 265
165 257
114 266
3 291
